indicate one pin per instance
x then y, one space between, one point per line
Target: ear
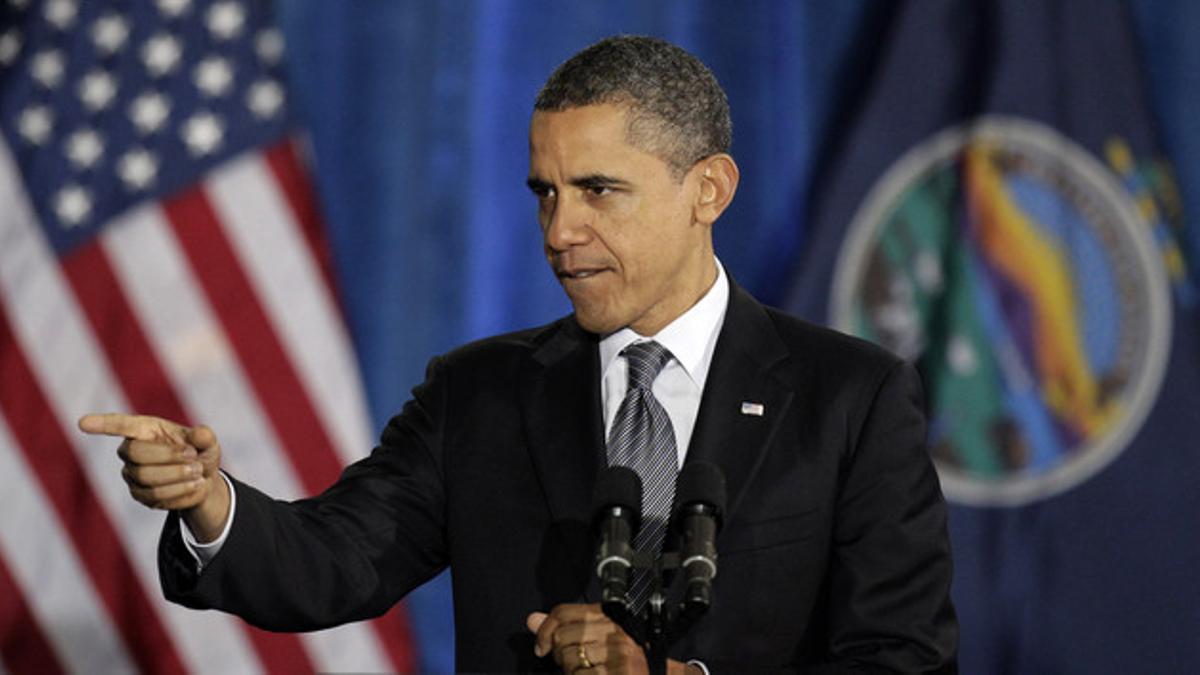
718 179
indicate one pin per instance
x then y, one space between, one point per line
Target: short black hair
677 109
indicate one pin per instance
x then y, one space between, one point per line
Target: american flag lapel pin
755 409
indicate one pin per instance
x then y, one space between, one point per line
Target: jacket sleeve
890 573
345 555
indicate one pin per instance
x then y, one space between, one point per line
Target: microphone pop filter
618 486
701 483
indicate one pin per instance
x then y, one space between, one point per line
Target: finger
562 615
543 640
141 427
156 475
571 613
570 656
583 632
149 452
169 496
534 621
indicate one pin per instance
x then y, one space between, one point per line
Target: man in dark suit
834 553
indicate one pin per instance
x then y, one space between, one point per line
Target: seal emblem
1018 274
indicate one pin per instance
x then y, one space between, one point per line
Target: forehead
576 138
581 127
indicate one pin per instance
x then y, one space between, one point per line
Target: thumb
535 620
201 437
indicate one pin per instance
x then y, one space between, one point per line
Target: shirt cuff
204 553
700 665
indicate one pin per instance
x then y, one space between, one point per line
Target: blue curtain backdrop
418 114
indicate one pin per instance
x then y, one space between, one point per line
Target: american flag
160 252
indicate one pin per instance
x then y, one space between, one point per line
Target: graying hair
677 110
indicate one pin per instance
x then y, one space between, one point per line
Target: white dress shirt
691 339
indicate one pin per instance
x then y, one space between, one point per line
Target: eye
599 190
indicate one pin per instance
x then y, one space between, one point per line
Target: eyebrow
592 180
537 185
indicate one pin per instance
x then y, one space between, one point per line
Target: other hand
583 639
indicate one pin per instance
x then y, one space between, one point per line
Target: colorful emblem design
1020 275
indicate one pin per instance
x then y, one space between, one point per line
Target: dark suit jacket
834 549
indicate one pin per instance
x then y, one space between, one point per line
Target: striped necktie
643 439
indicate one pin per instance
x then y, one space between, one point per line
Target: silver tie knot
646 361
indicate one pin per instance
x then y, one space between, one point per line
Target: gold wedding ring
584 660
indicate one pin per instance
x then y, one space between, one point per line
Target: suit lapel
563 420
743 402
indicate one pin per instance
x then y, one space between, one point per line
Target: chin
594 322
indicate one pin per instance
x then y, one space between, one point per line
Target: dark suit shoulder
498 362
486 352
828 349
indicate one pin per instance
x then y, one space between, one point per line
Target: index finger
137 427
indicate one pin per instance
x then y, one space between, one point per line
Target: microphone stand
658 625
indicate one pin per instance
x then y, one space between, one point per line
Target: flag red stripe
392 628
301 198
23 646
65 484
260 352
150 392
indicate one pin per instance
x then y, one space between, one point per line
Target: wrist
207 519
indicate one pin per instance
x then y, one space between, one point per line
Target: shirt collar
690 337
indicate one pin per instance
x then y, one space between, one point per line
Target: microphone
700 493
617 505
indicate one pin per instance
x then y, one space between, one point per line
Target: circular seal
1018 274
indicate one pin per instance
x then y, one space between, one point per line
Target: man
834 551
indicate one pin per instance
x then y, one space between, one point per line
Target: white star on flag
72 205
97 90
203 133
213 76
265 98
61 13
36 123
47 68
10 46
84 148
137 168
109 33
161 54
226 19
149 110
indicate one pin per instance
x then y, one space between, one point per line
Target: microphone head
618 486
701 483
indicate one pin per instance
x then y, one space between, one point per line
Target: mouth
566 274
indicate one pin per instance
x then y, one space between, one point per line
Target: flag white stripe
75 375
263 230
203 368
43 561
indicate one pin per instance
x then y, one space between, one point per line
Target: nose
566 225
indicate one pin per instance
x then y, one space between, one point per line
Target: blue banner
995 205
